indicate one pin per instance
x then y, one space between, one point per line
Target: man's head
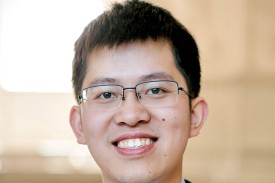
136 76
138 21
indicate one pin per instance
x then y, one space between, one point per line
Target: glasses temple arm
187 93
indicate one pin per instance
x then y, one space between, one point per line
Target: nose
131 111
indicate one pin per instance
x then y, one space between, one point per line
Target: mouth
134 143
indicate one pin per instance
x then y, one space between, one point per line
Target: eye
155 91
106 95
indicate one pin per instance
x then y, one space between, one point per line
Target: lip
136 151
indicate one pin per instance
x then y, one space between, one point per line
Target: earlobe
199 113
76 124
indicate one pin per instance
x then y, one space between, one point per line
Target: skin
160 162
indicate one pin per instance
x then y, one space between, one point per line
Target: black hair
133 21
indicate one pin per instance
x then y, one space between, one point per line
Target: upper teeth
134 143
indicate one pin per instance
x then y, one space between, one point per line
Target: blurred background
237 46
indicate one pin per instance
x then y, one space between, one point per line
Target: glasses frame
179 88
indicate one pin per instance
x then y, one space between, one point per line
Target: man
136 78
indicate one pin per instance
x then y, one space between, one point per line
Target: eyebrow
147 77
101 80
156 76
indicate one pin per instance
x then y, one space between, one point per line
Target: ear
76 124
199 113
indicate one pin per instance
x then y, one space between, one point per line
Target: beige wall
237 45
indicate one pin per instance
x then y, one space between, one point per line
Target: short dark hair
133 21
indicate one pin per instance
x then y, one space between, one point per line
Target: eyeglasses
160 93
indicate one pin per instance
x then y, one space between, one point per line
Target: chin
135 177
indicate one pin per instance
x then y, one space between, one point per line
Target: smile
135 143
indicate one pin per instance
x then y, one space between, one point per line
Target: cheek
177 126
94 125
175 117
174 122
174 127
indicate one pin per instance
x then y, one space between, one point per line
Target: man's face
166 129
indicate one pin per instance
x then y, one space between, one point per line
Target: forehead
132 63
